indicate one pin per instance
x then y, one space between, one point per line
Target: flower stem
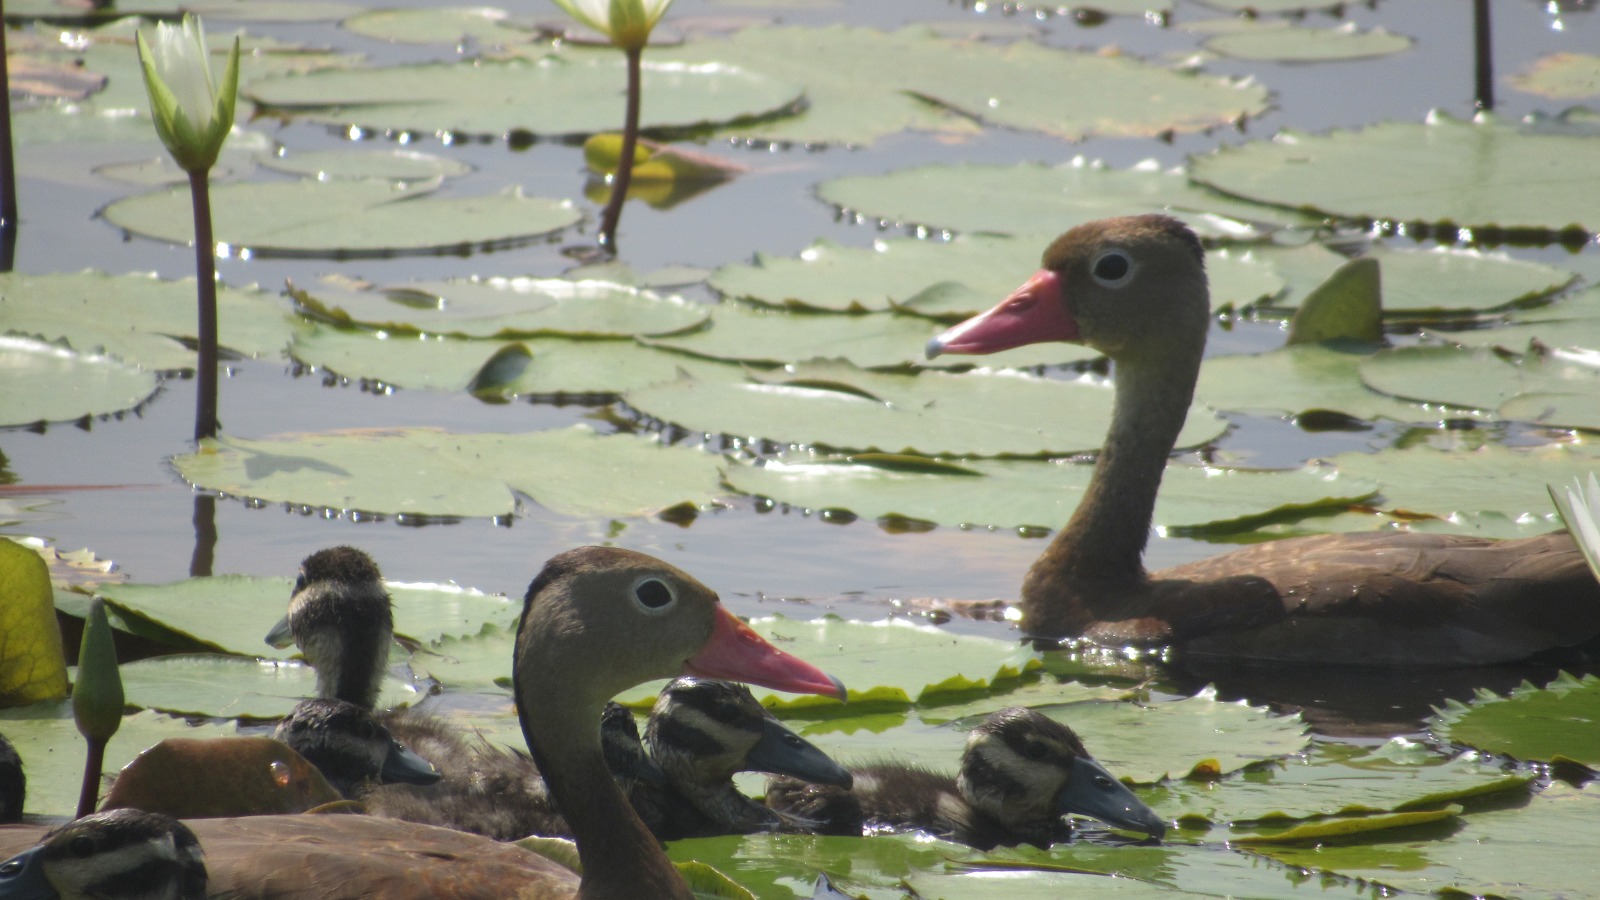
93 764
630 140
8 168
205 272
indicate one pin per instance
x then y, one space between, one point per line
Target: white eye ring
1111 256
653 596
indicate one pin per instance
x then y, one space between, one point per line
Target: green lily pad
836 405
581 93
266 10
344 218
1525 851
423 473
1279 41
1473 174
1037 199
453 25
139 318
896 273
863 84
503 308
1418 284
1571 322
49 383
1565 409
52 751
537 367
1476 378
1528 723
229 687
395 165
1562 76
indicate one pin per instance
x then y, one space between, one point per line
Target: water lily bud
192 115
97 695
627 23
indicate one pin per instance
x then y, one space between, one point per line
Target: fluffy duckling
1021 772
701 732
13 783
351 747
121 854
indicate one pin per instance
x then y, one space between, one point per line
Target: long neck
620 857
1105 538
355 671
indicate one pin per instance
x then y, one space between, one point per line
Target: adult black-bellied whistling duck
1021 773
595 622
701 733
1135 289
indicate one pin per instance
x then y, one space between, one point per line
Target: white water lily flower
192 116
1580 510
627 23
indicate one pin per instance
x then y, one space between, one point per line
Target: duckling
351 747
13 783
112 855
1021 772
342 618
702 731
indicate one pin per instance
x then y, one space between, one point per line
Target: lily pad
139 319
1037 199
1571 322
421 472
1418 284
1035 495
580 90
1279 41
1476 174
504 308
1476 378
50 383
1562 76
395 165
1528 723
230 687
862 84
345 218
452 25
31 662
935 413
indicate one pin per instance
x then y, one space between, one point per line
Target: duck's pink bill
1035 312
736 653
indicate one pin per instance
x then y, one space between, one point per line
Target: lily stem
205 273
93 764
630 140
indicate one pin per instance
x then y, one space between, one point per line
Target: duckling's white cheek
76 877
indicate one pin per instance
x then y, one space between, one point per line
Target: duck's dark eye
365 730
300 583
653 594
81 847
1112 267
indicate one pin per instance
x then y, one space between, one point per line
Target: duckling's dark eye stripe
980 771
685 737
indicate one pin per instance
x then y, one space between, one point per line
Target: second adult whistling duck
1135 290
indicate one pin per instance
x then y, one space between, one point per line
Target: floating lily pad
420 472
450 25
230 687
580 91
1562 76
1279 41
1476 378
395 165
1474 174
863 84
344 218
897 272
266 10
504 308
139 318
1571 322
935 413
1528 723
45 382
1565 409
53 751
1424 283
1036 199
1038 495
538 367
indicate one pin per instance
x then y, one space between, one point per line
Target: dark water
110 488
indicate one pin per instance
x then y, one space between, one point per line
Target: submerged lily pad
139 319
1475 174
452 25
45 382
503 308
580 93
423 472
935 413
1528 723
1279 41
1038 495
343 218
1037 199
1563 76
862 84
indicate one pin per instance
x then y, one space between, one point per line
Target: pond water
108 485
